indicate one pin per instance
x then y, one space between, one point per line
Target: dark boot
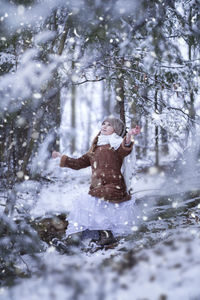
60 245
106 238
66 245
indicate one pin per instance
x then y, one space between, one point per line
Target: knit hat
117 124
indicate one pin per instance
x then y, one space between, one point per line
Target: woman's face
106 128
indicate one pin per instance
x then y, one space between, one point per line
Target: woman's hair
117 124
94 144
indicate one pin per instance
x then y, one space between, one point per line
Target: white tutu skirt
90 213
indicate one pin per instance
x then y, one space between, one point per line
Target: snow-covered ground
160 260
168 270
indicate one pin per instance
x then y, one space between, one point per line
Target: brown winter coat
107 181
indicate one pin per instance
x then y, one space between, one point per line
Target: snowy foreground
159 260
168 270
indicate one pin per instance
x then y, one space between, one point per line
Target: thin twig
25 264
172 67
89 80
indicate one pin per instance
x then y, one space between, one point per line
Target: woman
108 208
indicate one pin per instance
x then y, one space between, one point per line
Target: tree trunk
106 98
156 132
89 113
164 138
73 118
192 112
120 98
145 133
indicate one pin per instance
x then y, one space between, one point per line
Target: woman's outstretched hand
56 154
131 132
134 131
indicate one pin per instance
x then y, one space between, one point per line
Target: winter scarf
113 139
